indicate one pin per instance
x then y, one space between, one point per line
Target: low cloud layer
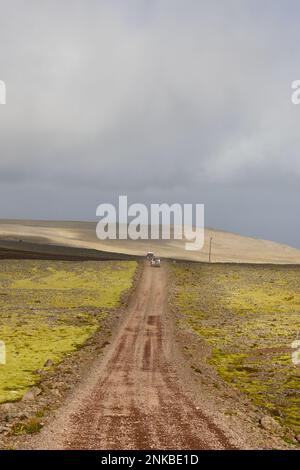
164 101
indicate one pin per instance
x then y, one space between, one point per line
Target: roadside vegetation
249 315
49 309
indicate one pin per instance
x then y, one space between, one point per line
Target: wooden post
210 243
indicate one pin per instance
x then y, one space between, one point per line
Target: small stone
22 415
8 407
10 410
48 363
3 428
32 394
56 393
269 423
58 385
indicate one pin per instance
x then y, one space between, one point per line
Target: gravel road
134 398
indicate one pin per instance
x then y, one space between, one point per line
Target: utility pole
210 243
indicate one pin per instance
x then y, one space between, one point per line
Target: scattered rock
4 428
10 411
32 394
40 372
23 415
269 423
56 393
59 386
9 407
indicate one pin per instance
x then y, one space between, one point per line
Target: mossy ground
249 315
49 309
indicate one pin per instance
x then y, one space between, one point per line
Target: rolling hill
73 237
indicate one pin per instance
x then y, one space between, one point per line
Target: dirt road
134 399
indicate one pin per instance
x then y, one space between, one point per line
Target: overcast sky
162 100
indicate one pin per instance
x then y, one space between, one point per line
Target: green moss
28 348
249 315
49 309
87 285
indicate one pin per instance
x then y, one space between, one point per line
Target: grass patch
31 426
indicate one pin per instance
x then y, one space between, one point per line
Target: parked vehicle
155 262
150 255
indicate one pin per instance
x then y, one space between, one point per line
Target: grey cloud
179 100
